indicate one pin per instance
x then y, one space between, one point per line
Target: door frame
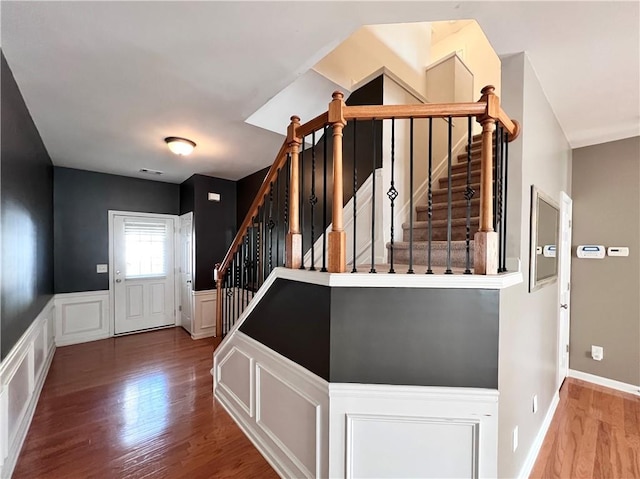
193 265
563 341
112 296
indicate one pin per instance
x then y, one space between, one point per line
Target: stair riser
456 212
459 181
440 196
458 233
438 257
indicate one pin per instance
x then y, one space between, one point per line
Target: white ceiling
105 82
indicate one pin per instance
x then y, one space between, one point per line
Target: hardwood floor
595 433
137 406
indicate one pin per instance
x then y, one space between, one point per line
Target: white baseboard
534 450
606 382
22 375
82 317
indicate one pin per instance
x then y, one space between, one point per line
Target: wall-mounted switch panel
213 196
102 268
549 251
515 438
618 251
591 251
597 352
535 403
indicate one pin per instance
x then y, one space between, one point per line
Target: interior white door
186 271
564 285
144 284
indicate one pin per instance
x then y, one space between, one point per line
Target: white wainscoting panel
22 374
204 314
411 431
288 414
82 317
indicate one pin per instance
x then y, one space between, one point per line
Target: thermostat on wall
618 251
591 251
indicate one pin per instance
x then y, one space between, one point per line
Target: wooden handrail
313 125
279 162
426 110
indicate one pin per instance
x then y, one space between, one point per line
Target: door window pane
145 249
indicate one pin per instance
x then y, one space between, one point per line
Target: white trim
606 382
176 274
534 450
24 351
438 393
203 292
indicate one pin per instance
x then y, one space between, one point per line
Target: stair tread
435 245
437 223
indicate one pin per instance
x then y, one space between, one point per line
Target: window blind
145 249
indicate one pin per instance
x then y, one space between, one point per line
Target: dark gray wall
429 337
26 207
247 188
293 319
82 200
409 336
215 222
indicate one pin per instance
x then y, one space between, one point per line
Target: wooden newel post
218 280
293 239
485 257
337 236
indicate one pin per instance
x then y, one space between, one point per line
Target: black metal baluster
238 286
430 195
354 269
234 299
410 270
449 195
498 183
506 202
270 225
243 274
392 193
313 200
302 202
494 184
265 241
468 195
373 200
324 201
278 222
285 226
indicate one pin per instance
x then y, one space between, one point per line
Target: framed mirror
545 223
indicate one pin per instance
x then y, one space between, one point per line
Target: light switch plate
618 251
102 268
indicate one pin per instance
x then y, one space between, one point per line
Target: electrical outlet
597 352
515 438
535 403
102 268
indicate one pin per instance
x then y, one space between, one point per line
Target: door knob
189 281
564 306
118 281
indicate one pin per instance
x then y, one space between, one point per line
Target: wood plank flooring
595 433
137 406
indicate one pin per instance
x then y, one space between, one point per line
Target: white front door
186 270
564 286
143 262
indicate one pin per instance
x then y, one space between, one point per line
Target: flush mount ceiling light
180 146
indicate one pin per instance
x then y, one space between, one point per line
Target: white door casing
185 271
142 284
564 286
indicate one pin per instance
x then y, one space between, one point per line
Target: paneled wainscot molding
22 374
82 317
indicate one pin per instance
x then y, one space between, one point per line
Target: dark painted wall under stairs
442 337
26 203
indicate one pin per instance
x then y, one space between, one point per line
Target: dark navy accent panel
293 320
26 204
428 337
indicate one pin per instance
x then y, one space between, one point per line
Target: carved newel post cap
337 95
295 119
488 90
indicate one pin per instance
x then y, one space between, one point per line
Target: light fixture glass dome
180 146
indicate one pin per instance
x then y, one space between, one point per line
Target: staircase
439 217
